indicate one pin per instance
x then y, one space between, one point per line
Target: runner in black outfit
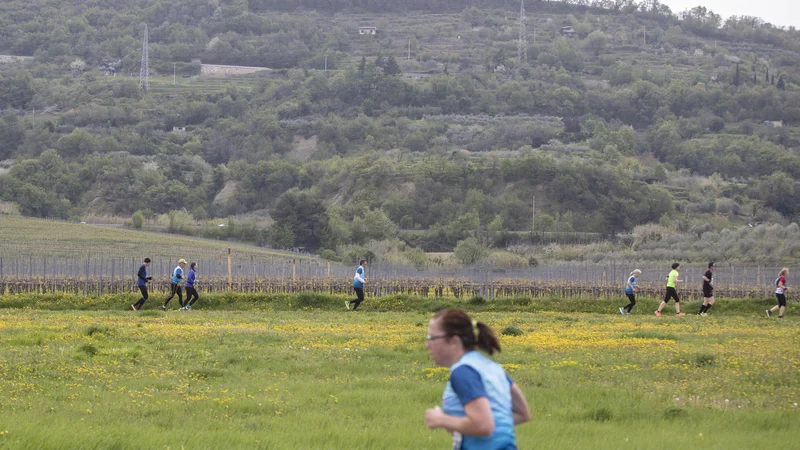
142 280
708 289
191 292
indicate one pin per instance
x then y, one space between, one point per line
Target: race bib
457 439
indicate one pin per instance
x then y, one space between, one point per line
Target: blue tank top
632 281
498 390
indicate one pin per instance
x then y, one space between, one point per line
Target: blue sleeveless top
474 376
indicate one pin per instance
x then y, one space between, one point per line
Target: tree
281 236
736 79
77 67
79 142
597 41
16 91
391 67
11 134
137 220
473 16
373 225
777 192
469 251
304 215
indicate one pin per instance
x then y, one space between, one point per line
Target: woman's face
439 345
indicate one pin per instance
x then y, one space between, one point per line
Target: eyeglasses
430 338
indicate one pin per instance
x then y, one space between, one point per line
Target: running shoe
188 307
658 313
702 314
163 308
133 307
680 314
622 311
769 313
347 304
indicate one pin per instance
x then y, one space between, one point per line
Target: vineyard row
433 287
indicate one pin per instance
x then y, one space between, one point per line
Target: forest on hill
436 133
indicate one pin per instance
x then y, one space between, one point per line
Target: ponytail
473 334
486 340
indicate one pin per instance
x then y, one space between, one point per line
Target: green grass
310 301
327 379
37 237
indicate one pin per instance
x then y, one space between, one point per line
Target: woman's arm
478 421
519 406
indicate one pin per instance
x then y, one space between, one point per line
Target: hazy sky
776 12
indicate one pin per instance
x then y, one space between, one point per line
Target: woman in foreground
481 404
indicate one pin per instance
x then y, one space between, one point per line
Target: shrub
675 413
601 415
91 330
476 300
511 330
137 220
89 349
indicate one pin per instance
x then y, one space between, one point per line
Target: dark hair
711 264
675 265
361 263
147 260
456 322
192 265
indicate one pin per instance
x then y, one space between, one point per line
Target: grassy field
295 373
37 237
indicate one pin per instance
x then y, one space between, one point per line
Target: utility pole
34 119
326 62
144 68
644 35
533 216
173 73
522 45
408 58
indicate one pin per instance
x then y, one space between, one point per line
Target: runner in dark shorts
708 289
672 280
780 293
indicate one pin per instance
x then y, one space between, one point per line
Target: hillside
51 239
433 130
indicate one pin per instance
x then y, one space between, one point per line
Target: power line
522 45
144 68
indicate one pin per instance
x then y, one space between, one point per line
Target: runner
142 280
672 280
630 291
191 292
780 293
708 289
481 404
358 286
176 285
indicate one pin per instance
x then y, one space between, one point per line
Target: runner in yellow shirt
672 280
